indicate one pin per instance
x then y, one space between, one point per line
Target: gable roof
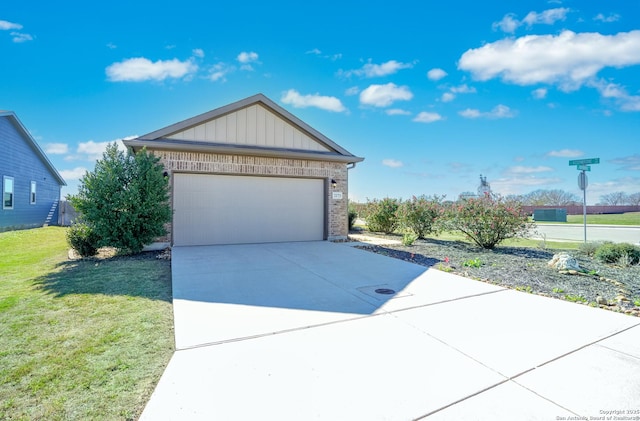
202 134
11 116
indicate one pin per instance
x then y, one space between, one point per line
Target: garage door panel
221 209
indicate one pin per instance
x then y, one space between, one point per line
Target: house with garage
251 172
30 183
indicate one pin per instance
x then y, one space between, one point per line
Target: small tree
489 220
381 215
125 200
420 214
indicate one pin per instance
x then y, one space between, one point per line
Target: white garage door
227 209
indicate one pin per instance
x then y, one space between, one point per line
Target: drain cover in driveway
382 292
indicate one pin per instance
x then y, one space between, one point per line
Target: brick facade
212 163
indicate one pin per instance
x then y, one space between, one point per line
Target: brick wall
210 163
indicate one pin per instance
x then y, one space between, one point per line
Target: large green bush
125 200
353 214
381 215
618 252
420 214
489 220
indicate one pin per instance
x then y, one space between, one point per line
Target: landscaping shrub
381 215
421 214
409 238
589 249
352 216
618 252
83 239
125 199
489 220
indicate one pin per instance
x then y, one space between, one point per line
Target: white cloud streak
328 103
509 23
427 117
73 174
7 26
247 57
141 69
56 148
384 95
565 153
498 112
392 163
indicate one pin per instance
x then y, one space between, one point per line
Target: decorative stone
601 301
564 261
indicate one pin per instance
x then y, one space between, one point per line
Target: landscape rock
564 261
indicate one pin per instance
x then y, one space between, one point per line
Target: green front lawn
629 218
79 340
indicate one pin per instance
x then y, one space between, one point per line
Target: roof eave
190 146
258 98
25 133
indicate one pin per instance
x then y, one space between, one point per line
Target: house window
7 193
32 195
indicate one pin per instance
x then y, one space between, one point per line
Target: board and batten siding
21 162
251 126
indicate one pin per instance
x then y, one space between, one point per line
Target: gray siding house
30 183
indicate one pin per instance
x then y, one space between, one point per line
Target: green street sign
585 161
584 168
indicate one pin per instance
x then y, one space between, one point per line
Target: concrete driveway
297 331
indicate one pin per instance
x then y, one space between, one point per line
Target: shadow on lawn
138 276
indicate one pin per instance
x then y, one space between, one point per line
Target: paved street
575 232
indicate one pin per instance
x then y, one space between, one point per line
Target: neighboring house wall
209 163
21 162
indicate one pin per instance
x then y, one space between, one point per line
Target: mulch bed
526 269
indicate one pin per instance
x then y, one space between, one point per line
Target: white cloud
397 111
314 51
354 90
7 26
384 69
607 19
74 174
508 24
247 57
56 148
463 89
436 74
393 163
92 151
447 97
567 59
219 71
384 95
111 46
328 103
519 169
21 37
539 93
427 117
619 94
628 163
548 17
499 111
565 153
141 69
198 52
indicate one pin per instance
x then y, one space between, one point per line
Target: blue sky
431 94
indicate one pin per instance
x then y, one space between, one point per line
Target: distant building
484 189
30 183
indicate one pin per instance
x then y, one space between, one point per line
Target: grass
629 218
79 340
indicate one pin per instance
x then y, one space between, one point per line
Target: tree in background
550 198
634 199
420 214
125 200
614 198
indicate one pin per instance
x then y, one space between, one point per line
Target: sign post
584 165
